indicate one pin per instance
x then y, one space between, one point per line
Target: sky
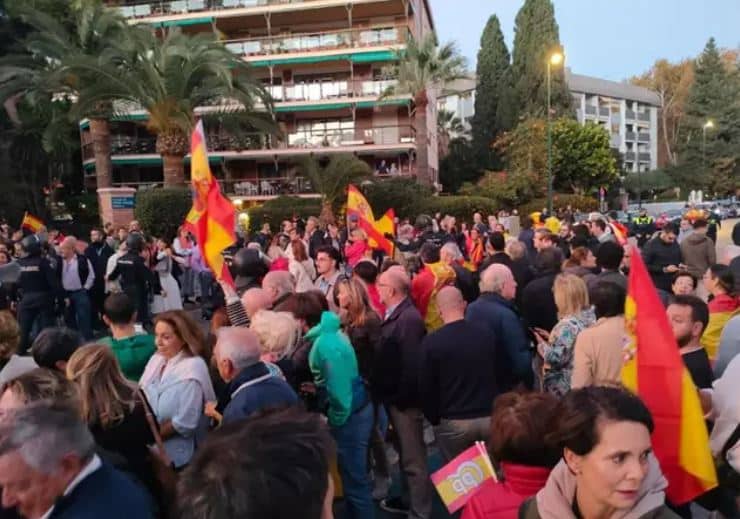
610 39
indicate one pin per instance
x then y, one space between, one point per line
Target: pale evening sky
610 39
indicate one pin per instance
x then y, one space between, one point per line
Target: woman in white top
184 247
170 298
301 266
177 384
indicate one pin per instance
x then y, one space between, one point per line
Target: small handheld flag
31 223
461 478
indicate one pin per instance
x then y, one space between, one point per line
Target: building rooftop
604 87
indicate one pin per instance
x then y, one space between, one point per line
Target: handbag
162 467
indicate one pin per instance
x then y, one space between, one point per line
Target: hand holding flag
460 479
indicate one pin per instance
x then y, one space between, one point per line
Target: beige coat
599 353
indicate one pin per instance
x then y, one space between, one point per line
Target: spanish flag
657 374
31 223
376 230
461 478
212 219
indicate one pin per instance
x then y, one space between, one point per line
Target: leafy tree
169 78
671 81
714 96
404 195
656 180
582 158
493 94
331 180
421 66
536 37
457 167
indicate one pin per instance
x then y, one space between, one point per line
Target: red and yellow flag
461 478
212 219
376 229
657 374
32 223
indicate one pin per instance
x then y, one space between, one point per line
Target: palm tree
449 127
34 74
169 78
420 67
332 179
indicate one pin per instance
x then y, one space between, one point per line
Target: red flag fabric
212 219
657 374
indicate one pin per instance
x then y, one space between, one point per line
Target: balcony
643 137
630 115
322 90
176 7
319 41
643 116
643 157
590 110
629 155
604 111
630 136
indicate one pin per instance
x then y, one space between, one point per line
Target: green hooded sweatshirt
334 366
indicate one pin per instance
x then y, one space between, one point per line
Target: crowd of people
326 361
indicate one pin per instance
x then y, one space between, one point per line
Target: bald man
278 284
398 362
252 386
495 309
256 299
458 381
77 277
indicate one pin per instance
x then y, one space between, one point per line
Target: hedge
461 207
282 208
405 195
161 211
560 200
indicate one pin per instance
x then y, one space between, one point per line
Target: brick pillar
116 205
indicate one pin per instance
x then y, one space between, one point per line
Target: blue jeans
353 439
79 314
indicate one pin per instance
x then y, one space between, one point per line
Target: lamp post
707 126
555 59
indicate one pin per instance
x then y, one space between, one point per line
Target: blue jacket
105 493
513 354
269 392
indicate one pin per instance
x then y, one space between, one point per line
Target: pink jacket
502 500
354 252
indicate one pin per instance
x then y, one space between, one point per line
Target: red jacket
502 500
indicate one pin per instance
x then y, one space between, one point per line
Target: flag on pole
657 374
212 219
376 230
461 478
620 232
31 223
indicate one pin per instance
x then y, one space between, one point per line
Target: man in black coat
397 367
662 257
98 252
63 478
538 302
464 279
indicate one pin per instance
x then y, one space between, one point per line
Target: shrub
582 203
404 195
461 207
162 211
282 208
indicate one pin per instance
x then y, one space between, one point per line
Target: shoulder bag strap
153 424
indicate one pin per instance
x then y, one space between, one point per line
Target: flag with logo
212 219
461 478
656 372
376 230
31 223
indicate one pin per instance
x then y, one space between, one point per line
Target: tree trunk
422 143
327 214
174 170
100 132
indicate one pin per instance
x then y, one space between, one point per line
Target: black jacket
538 302
466 282
99 254
365 340
38 283
457 375
657 255
316 240
397 364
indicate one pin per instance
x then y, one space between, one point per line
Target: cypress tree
492 95
536 37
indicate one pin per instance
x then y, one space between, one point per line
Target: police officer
137 280
39 287
643 226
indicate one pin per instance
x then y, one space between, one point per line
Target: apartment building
322 61
458 97
628 112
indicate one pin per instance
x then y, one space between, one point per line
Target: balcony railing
318 41
377 136
643 116
604 111
643 137
630 136
319 90
629 155
175 7
590 110
643 157
630 114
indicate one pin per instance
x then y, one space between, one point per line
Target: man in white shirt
78 276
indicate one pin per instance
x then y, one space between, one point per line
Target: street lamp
555 59
707 126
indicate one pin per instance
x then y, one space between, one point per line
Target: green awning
387 102
145 161
358 57
309 108
183 23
